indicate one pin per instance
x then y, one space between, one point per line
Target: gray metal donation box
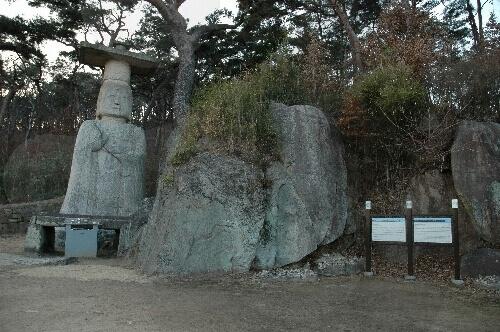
81 240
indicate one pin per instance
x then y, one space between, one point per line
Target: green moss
168 180
183 154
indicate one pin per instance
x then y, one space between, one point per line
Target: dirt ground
107 295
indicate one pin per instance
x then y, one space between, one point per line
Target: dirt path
106 295
102 295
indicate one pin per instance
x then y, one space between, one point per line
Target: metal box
81 241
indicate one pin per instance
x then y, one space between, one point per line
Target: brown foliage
323 90
406 36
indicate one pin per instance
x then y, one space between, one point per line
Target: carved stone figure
107 173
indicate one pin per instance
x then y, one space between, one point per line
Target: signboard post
456 244
409 229
368 239
409 239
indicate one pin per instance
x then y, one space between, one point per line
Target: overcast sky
194 10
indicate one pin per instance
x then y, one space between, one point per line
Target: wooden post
409 239
368 238
455 239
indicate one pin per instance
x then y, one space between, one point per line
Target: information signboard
388 229
432 229
411 230
428 229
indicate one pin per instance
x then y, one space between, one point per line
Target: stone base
368 274
410 278
36 239
13 227
15 218
457 282
47 233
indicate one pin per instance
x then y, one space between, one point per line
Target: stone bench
40 236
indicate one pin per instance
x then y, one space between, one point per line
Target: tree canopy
369 64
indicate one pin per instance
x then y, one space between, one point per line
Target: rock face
307 202
481 262
214 213
207 218
431 193
475 161
107 173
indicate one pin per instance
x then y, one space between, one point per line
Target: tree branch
179 3
170 14
201 30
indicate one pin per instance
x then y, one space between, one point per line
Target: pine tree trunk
480 24
185 80
473 25
351 35
186 44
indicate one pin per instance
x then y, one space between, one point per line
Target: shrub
234 114
387 103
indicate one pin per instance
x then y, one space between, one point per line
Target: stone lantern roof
98 55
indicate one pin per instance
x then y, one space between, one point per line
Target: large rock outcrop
218 213
475 161
206 218
308 201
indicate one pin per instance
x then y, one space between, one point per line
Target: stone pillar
107 173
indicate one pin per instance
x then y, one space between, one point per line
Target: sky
194 10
